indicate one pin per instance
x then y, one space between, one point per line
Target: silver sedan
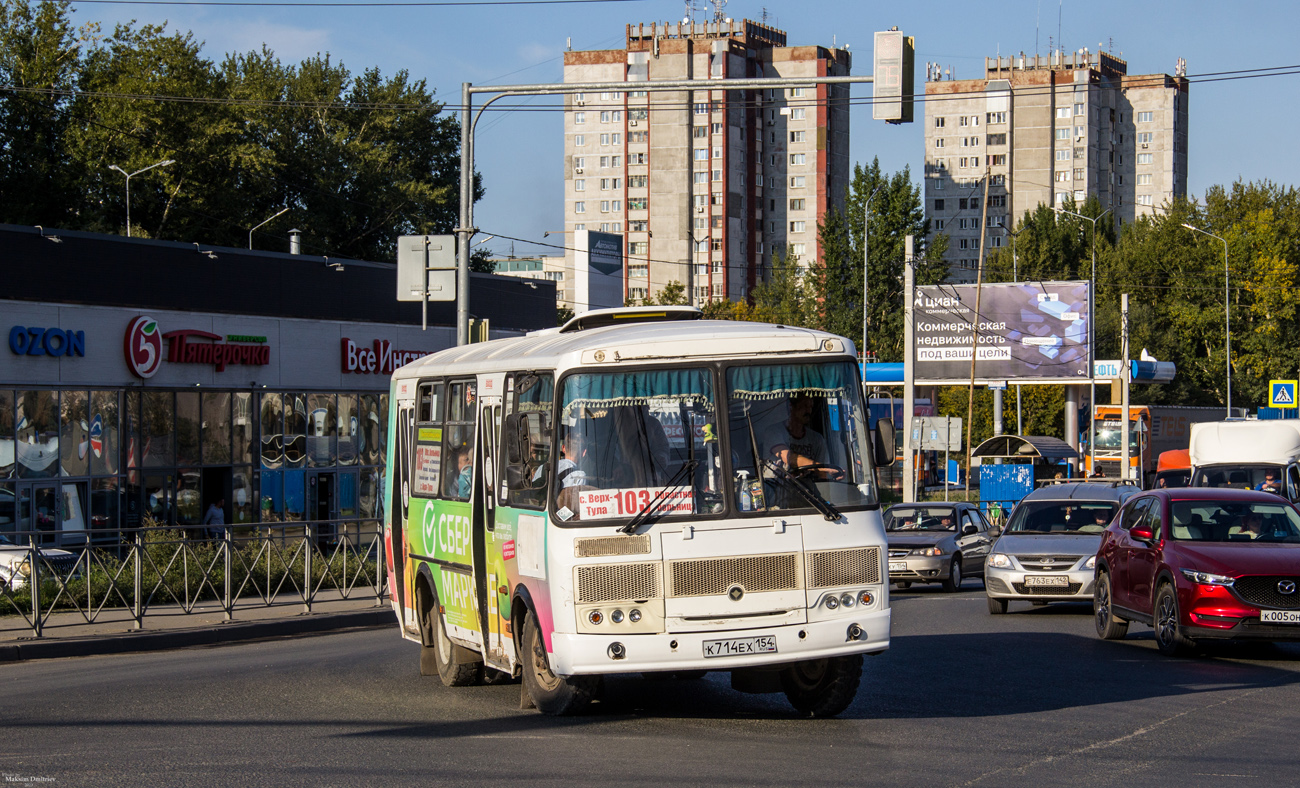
936 543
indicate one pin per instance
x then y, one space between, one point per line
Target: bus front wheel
551 694
455 665
822 687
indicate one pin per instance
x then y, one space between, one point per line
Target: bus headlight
616 616
831 603
848 600
634 615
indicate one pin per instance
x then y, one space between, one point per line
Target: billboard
1026 332
597 271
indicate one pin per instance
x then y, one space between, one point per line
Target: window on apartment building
798 113
636 226
1145 158
638 114
938 205
797 181
1080 131
1078 173
796 92
701 154
716 128
961 224
700 223
998 160
997 240
637 204
638 136
1062 197
579 140
638 181
938 225
996 139
998 180
1079 109
962 244
638 247
963 203
699 200
798 250
717 175
998 201
638 94
616 139
1144 179
1080 153
700 177
604 161
579 184
716 243
604 139
1145 136
611 116
577 227
773 159
798 159
717 151
974 120
701 108
938 142
1063 176
580 207
938 183
1062 155
1146 117
604 206
1063 134
797 204
995 117
797 136
636 158
579 118
715 198
699 132
797 227
963 121
965 162
938 123
1145 199
1062 112
611 227
637 293
638 270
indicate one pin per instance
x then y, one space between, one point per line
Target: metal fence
172 571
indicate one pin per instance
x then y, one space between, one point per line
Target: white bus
639 491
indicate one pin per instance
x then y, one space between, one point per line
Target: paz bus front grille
618 582
834 568
712 576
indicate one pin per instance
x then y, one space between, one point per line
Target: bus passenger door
488 557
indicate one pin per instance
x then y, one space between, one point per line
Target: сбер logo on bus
143 346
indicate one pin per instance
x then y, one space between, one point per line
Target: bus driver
796 445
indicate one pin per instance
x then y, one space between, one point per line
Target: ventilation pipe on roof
295 242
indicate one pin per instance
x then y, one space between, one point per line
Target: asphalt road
963 698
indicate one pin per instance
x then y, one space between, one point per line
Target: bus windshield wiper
806 490
674 484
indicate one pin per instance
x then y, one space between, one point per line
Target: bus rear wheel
551 694
822 687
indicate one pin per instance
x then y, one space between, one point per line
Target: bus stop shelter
1010 466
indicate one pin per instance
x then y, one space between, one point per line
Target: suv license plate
736 647
1279 616
1047 580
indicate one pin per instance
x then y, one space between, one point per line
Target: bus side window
458 440
429 462
526 441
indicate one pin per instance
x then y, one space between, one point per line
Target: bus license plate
737 647
1279 616
1047 580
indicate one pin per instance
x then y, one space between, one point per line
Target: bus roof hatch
598 318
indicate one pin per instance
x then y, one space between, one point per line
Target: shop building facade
143 379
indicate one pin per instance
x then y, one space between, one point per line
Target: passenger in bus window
465 463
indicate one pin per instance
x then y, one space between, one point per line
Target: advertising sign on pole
597 271
1026 332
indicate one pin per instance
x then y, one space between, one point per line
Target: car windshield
1233 521
1061 517
798 437
630 439
1240 477
928 518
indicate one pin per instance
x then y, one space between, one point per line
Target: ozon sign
144 348
378 359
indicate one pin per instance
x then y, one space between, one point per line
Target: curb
199 636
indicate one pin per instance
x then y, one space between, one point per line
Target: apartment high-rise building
1049 130
705 184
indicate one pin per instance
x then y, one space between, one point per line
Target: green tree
785 295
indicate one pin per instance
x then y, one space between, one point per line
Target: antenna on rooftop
718 6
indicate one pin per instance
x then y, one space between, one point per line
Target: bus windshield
637 441
798 430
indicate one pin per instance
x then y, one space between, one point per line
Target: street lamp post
250 232
129 175
866 266
1092 340
1227 315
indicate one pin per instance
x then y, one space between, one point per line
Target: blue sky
1239 128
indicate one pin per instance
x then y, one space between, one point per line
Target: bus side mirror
513 431
882 449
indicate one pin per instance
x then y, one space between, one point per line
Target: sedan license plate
1047 580
737 647
898 566
1279 616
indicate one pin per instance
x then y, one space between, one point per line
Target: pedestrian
215 519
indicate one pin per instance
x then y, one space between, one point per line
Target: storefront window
105 509
372 424
74 511
131 427
74 433
322 430
8 508
37 421
216 428
242 492
157 420
187 428
104 446
272 431
272 503
347 494
370 492
295 498
6 437
158 498
189 498
295 430
347 429
244 437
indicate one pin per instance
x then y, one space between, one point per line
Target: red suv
1198 563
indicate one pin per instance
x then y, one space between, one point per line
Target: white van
1248 455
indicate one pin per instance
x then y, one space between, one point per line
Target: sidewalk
66 634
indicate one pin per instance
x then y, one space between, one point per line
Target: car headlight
928 551
1091 563
25 568
999 561
1207 579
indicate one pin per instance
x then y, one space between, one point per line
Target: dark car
936 543
1197 563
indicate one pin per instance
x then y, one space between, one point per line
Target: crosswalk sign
1281 393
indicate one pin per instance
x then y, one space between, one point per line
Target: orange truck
1153 431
